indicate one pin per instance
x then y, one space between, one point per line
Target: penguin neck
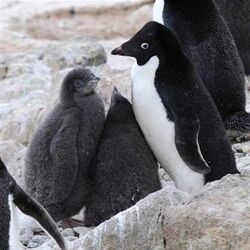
165 64
171 61
66 95
80 101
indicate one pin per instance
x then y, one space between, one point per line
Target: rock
3 71
215 218
36 241
61 55
18 64
68 232
81 231
243 147
21 120
243 164
12 155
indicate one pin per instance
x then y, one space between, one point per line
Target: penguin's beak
118 51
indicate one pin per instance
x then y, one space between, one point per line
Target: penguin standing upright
124 169
175 111
206 39
237 16
12 196
61 150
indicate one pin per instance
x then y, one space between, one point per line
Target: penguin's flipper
239 122
64 155
32 208
187 144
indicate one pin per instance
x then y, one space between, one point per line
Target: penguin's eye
144 45
78 83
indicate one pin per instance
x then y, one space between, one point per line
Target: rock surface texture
41 42
218 217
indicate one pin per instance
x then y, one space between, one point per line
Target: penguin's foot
70 223
238 122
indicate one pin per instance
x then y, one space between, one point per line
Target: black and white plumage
237 16
124 169
175 111
61 150
208 42
11 197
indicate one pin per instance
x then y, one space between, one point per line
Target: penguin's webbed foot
238 122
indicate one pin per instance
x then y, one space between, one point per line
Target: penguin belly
158 130
13 229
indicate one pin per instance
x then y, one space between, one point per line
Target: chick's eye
144 45
77 83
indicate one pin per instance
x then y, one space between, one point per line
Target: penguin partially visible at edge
175 111
12 196
124 169
237 16
206 39
61 150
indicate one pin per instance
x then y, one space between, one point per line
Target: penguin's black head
120 110
79 82
153 39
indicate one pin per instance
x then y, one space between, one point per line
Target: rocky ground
40 42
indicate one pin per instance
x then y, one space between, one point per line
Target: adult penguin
13 197
207 40
175 111
61 150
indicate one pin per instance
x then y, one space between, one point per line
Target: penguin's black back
124 169
206 39
237 16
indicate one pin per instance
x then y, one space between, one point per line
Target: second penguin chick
124 168
61 150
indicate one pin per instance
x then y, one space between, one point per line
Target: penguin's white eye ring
144 45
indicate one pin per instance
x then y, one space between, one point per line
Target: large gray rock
61 55
218 217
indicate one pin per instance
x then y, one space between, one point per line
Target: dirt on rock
106 23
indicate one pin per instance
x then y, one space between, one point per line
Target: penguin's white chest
158 130
13 229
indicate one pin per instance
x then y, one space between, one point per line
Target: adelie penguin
175 111
207 41
237 16
13 197
61 150
124 169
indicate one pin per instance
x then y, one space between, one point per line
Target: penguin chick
61 150
124 169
